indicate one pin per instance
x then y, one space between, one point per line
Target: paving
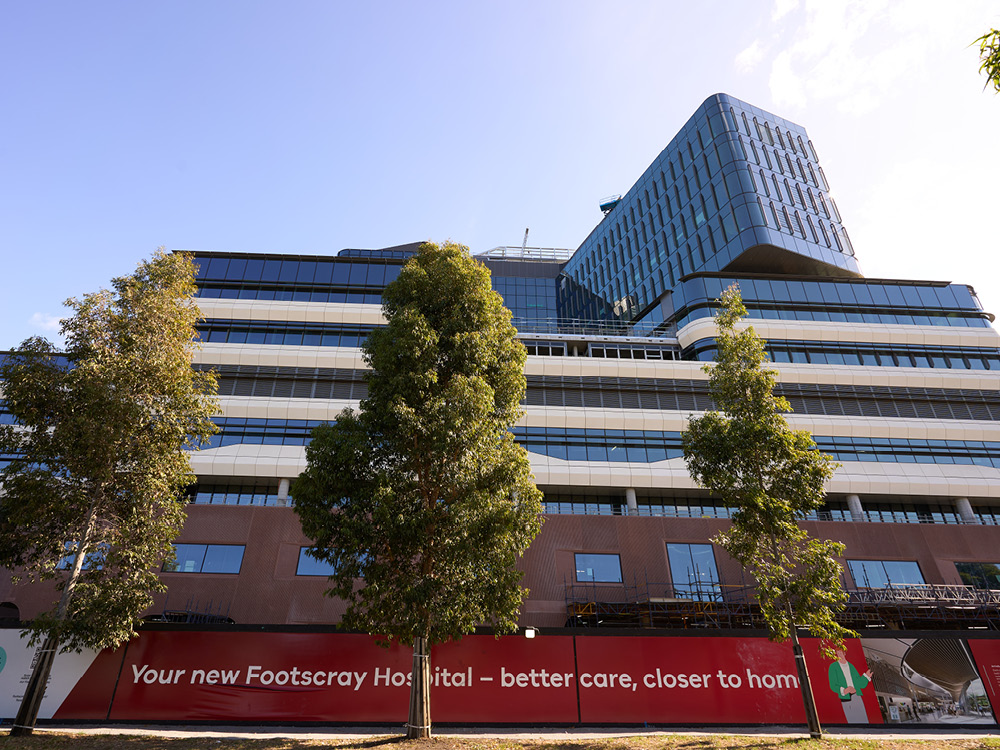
520 733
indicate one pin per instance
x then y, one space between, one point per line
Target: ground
213 739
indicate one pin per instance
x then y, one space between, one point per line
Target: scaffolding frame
643 603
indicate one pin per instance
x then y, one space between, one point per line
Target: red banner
176 675
189 675
703 680
987 656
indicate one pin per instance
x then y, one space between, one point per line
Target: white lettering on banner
444 677
670 681
729 681
214 676
770 681
303 678
602 680
160 676
396 679
536 678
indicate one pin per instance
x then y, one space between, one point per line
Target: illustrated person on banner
847 683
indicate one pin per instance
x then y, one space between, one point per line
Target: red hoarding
704 680
987 656
189 675
339 678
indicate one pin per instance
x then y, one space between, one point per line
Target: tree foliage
422 501
989 54
774 476
93 498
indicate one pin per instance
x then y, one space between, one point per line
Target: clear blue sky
312 126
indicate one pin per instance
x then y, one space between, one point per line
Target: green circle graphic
3 658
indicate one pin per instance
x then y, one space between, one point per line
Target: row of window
561 503
692 567
209 291
841 400
228 559
869 355
831 511
881 316
695 575
767 135
954 358
232 494
603 392
282 333
288 271
832 294
578 444
633 351
638 446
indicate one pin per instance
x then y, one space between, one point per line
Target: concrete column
283 485
965 512
633 507
857 511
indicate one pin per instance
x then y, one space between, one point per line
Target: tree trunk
419 724
27 713
812 718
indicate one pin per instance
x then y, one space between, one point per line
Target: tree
422 501
94 494
774 476
989 54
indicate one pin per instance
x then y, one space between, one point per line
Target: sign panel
931 680
190 675
701 680
987 656
17 660
177 675
341 678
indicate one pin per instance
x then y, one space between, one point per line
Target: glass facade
206 558
834 300
694 573
736 186
597 568
880 574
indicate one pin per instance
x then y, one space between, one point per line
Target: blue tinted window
223 558
877 574
359 274
694 573
598 568
306 272
310 566
188 558
289 270
206 558
214 268
237 269
271 270
254 269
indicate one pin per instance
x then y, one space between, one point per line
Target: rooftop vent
608 204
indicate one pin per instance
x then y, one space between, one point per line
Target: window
310 566
93 560
980 575
592 568
693 570
206 558
880 574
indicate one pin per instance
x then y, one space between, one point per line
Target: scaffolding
193 613
700 604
